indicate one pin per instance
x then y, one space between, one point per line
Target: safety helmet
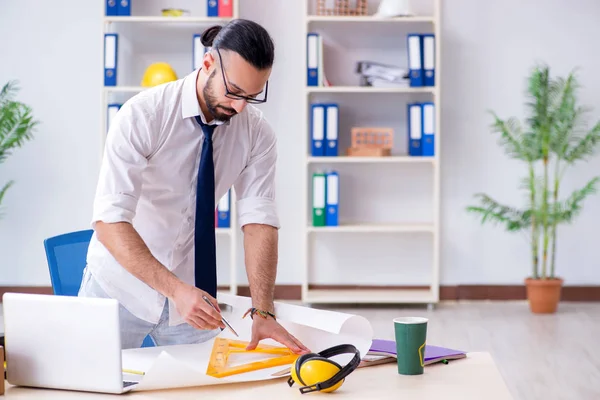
316 372
158 73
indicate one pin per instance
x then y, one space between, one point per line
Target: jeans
134 330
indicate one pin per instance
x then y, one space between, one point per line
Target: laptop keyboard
127 383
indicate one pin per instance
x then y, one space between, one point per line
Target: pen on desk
222 317
133 371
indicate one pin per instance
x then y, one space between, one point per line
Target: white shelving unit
147 24
346 40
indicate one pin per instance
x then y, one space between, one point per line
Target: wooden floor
546 357
549 357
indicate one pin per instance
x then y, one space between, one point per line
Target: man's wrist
256 313
264 306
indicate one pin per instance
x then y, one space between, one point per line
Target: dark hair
247 38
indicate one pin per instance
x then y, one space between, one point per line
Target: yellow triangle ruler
222 348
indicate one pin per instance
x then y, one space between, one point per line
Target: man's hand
269 328
195 310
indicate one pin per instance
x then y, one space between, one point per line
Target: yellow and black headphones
316 372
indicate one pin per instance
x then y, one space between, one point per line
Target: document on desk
185 365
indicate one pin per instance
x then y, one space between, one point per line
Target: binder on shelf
415 59
124 7
112 7
428 59
112 110
225 8
198 51
415 118
428 141
332 198
314 59
317 129
332 129
223 212
111 46
212 9
318 205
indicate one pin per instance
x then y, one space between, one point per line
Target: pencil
222 317
133 371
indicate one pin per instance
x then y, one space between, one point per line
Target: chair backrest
66 256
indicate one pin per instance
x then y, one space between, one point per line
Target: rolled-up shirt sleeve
255 187
126 149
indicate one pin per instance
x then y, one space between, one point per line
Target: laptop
64 342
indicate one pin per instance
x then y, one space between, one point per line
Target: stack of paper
381 75
185 365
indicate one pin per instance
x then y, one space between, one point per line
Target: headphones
316 372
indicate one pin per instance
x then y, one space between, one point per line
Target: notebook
384 351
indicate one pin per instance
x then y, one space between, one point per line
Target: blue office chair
66 255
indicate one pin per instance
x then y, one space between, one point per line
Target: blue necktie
205 258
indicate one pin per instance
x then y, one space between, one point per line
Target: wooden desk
475 377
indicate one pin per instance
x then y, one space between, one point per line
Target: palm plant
16 126
554 138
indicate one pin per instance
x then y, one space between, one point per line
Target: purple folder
432 353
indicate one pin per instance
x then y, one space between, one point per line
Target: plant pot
543 294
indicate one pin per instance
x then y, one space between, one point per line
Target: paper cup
411 336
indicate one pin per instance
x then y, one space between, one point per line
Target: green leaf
492 211
8 92
516 144
584 146
16 122
566 211
2 193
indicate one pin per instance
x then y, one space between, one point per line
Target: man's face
240 79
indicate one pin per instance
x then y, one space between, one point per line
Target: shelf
372 228
148 37
377 295
161 19
354 160
316 89
345 33
368 89
368 18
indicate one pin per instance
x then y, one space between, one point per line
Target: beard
219 112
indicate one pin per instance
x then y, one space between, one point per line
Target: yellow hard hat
157 74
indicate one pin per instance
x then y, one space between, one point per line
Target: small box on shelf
371 142
342 7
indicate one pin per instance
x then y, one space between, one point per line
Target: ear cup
317 372
295 370
319 369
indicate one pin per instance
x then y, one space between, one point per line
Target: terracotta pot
543 294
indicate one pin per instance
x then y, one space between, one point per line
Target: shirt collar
189 102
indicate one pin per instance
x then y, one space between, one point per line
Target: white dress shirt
148 178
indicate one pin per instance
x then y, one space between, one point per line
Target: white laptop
64 342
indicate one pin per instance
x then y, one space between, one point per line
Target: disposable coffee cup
411 337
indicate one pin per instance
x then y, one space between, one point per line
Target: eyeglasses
234 96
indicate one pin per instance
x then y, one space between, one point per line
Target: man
171 152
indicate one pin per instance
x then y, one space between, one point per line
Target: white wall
487 48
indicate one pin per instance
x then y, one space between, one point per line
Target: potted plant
16 126
553 138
